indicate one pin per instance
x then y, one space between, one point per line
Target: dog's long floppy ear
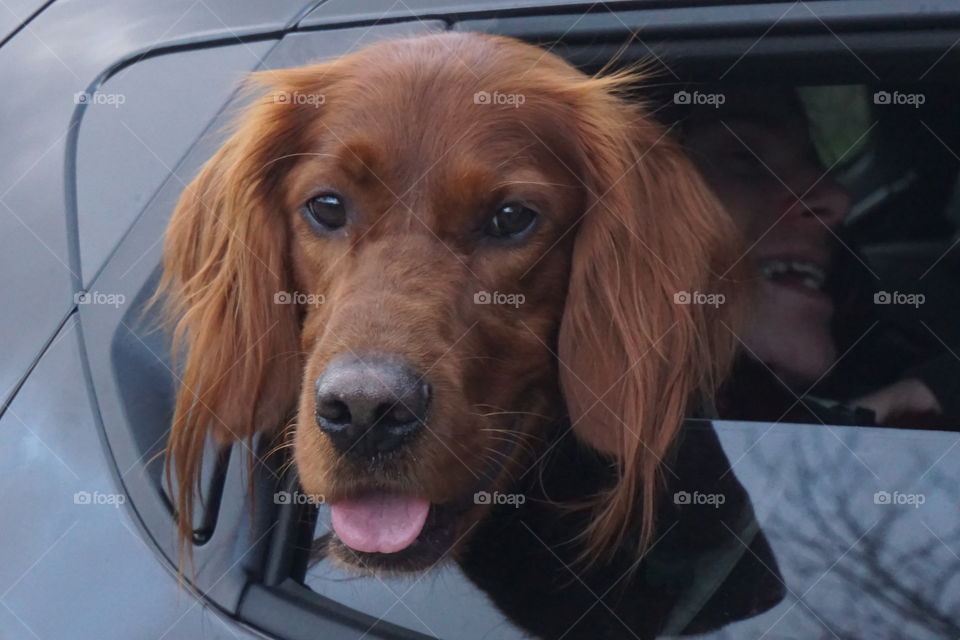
225 262
641 343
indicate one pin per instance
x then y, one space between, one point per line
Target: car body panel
64 51
71 540
15 14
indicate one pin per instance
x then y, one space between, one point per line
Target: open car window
840 511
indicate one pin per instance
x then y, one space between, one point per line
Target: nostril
395 415
334 411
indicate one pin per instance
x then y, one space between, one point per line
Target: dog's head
425 252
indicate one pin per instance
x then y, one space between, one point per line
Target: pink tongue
379 522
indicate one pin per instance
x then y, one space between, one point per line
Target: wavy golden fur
624 224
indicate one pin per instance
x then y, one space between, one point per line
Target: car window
120 135
862 524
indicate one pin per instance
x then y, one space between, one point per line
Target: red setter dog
477 241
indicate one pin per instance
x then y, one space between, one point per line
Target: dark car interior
894 285
895 154
717 572
903 229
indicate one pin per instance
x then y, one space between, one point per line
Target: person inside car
755 150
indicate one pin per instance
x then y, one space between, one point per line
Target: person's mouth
796 273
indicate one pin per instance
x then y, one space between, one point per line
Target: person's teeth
808 268
773 267
814 275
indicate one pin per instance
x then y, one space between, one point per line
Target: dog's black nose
371 405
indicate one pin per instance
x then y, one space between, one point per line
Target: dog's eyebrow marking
520 153
295 155
507 183
358 160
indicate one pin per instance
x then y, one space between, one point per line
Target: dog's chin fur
410 560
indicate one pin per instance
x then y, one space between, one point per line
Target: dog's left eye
326 211
510 221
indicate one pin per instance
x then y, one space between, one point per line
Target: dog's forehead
412 130
430 94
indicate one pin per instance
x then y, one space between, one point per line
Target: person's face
765 171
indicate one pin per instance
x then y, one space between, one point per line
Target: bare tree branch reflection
867 557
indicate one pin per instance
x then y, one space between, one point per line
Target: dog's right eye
512 220
326 211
